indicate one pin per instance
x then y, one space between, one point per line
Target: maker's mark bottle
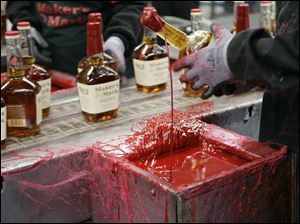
98 85
151 64
175 37
34 71
21 94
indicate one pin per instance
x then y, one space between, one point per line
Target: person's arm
256 57
125 24
22 11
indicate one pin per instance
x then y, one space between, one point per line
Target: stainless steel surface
65 134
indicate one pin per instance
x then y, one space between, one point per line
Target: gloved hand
39 45
114 47
208 66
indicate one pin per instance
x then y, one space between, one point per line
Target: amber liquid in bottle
108 60
98 85
20 93
151 65
34 71
178 39
3 123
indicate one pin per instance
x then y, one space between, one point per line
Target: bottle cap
196 10
265 3
242 10
12 35
95 17
24 25
151 20
149 8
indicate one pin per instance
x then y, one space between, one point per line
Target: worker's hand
41 54
114 47
208 66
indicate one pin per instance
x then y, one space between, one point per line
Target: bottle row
27 92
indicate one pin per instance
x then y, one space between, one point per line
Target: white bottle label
151 73
95 99
45 92
38 100
3 123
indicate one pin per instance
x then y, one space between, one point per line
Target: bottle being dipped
3 123
175 37
151 64
197 26
235 5
108 60
98 85
21 94
266 17
34 71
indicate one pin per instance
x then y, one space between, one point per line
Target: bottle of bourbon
3 123
151 64
108 60
98 85
175 37
21 94
34 71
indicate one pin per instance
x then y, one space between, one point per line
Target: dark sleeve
125 24
256 57
22 11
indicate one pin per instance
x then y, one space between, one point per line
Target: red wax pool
191 165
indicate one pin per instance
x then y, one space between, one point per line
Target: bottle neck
197 22
266 17
172 35
26 47
235 5
15 67
149 37
94 43
242 22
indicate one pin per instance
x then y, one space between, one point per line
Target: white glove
208 66
114 47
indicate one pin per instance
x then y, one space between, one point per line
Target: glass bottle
235 5
3 123
151 64
178 39
108 60
34 71
21 94
98 85
266 16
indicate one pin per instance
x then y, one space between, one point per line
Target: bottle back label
38 100
3 123
151 73
95 99
16 116
45 92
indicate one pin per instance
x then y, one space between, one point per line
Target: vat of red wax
254 186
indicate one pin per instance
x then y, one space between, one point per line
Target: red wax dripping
172 108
